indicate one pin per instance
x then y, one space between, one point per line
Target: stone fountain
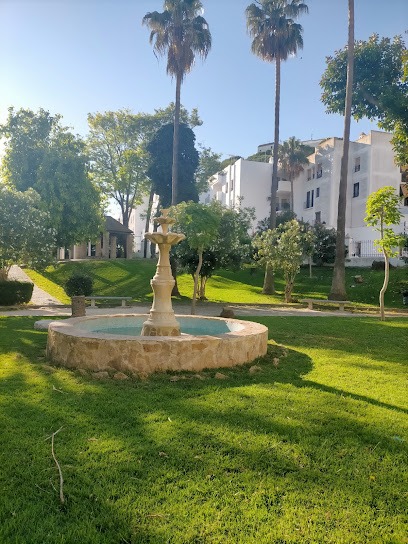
142 344
162 321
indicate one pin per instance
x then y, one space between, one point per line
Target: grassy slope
301 453
132 278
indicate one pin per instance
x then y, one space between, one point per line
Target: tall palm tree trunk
338 287
174 173
269 285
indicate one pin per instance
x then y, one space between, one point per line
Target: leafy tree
325 245
43 155
200 223
382 211
230 249
260 156
116 145
25 236
380 90
283 217
338 286
210 164
276 36
283 248
160 150
229 161
181 32
293 156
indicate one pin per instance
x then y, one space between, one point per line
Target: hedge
15 292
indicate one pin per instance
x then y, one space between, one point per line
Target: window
308 199
309 174
318 192
101 240
319 170
318 217
226 187
312 200
232 185
313 172
357 165
356 190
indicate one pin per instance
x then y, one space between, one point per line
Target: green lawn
132 278
313 450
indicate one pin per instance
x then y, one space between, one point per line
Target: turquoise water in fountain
132 325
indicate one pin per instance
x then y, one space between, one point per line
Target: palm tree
338 287
182 33
275 37
292 157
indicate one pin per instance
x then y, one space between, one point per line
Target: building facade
371 166
247 184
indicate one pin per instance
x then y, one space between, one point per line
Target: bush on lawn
79 285
15 292
380 265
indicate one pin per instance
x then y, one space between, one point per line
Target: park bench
310 302
123 299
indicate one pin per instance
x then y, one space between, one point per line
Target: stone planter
78 306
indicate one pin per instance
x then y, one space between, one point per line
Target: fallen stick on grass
58 466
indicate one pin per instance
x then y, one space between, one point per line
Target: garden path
40 297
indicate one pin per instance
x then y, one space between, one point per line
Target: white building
371 166
247 184
316 190
137 223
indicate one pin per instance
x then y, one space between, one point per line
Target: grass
307 452
132 278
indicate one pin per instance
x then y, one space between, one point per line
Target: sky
74 57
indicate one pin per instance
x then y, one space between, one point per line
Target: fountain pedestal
162 321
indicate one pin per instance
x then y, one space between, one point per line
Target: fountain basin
112 343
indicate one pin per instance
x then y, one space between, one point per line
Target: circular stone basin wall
112 343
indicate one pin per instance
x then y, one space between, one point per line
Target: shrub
78 285
380 265
15 292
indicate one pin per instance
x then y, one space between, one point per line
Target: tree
116 146
325 245
380 90
228 162
25 236
160 150
275 37
382 210
282 217
231 248
43 155
209 164
200 223
338 286
292 157
283 248
181 32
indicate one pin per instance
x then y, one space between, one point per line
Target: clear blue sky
78 56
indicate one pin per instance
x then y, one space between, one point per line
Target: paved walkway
48 306
40 297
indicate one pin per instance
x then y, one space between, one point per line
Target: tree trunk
291 194
174 174
289 282
4 272
174 265
269 286
385 285
338 287
203 283
310 267
148 216
197 273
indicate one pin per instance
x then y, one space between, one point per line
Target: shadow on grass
134 448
